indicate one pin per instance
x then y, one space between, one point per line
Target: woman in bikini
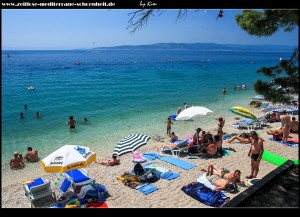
115 160
286 125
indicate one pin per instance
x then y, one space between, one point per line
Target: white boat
31 88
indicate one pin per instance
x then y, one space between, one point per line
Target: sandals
249 177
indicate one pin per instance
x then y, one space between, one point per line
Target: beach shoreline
167 189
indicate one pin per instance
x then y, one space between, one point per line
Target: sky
57 29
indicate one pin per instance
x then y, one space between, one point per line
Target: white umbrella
259 97
130 143
193 112
67 158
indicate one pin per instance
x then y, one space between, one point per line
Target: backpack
138 169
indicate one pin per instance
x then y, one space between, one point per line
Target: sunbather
277 134
226 174
216 180
115 160
16 162
243 138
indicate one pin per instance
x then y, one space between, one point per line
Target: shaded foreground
282 191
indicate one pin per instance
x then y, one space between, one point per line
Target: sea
120 92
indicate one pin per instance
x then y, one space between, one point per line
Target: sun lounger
79 178
38 189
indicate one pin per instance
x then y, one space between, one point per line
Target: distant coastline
203 47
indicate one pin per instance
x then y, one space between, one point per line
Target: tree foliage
267 22
285 75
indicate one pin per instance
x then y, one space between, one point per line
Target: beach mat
169 175
180 163
162 172
288 143
146 188
151 156
273 158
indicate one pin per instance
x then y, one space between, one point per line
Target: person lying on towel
216 180
115 160
226 174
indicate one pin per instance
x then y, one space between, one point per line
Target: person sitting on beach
71 122
178 111
243 138
216 180
173 137
218 143
31 155
16 162
197 137
277 134
208 150
235 177
294 126
115 160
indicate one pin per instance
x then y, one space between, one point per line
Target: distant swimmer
30 87
21 115
85 120
37 115
77 63
224 90
234 87
25 107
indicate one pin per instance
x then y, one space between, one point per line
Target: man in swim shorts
16 162
255 152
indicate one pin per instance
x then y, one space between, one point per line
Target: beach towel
290 142
146 188
202 179
162 172
177 162
131 181
205 195
151 156
97 205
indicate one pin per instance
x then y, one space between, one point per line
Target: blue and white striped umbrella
130 143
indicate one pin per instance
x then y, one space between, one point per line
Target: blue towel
146 189
36 182
204 194
151 156
291 144
169 175
77 176
180 163
65 185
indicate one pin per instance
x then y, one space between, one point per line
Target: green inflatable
296 162
273 158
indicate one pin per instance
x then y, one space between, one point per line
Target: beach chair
39 188
79 178
177 149
264 105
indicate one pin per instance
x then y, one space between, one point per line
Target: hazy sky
83 28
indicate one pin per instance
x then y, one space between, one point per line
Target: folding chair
79 178
38 189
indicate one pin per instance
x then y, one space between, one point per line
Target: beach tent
130 143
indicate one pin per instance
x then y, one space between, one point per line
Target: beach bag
138 169
151 177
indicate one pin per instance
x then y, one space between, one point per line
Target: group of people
72 122
37 114
18 161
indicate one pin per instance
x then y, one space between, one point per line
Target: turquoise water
120 92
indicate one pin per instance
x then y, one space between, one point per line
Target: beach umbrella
288 108
67 158
192 112
130 143
244 112
259 97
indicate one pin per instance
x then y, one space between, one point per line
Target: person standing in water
71 122
224 90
